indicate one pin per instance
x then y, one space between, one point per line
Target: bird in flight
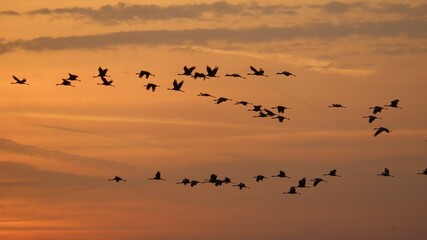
117 179
157 177
221 99
102 72
106 82
269 113
336 105
286 73
65 82
244 103
257 72
241 186
424 172
177 86
184 181
317 181
377 109
380 130
234 75
187 71
151 86
259 178
302 183
199 75
257 108
385 173
332 173
19 81
227 180
393 104
212 179
292 190
143 73
280 118
212 72
281 174
281 109
205 95
72 77
194 183
371 118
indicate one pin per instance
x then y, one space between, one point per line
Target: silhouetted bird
227 180
184 181
380 130
377 109
177 86
205 95
257 72
292 190
102 72
65 82
117 179
105 82
262 115
241 186
286 73
371 118
143 73
151 86
256 108
281 174
221 99
194 183
234 75
218 182
393 104
244 103
212 72
259 178
157 177
187 71
72 77
199 75
336 105
385 173
19 81
269 113
281 118
317 181
302 183
281 109
332 173
212 179
424 172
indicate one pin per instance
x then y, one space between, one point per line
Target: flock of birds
212 73
302 183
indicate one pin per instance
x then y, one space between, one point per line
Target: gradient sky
58 145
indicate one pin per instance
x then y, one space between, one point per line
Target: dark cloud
339 7
9 13
113 14
411 28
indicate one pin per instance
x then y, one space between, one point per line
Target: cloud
339 7
9 13
411 28
123 12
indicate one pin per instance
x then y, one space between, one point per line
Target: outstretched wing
394 102
14 77
253 69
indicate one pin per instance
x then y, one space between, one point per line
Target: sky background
59 145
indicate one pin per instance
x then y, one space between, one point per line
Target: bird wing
157 175
14 77
104 80
72 76
386 171
253 69
394 102
209 70
179 85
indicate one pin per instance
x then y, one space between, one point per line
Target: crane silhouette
227 180
212 179
117 179
199 75
286 73
281 174
385 173
143 73
222 99
332 173
302 183
317 181
280 118
257 72
65 82
151 86
380 130
19 81
292 190
377 109
256 108
259 178
269 113
261 114
393 104
218 182
241 186
184 181
187 71
371 118
177 86
424 172
212 72
205 95
244 103
235 75
72 77
157 177
281 109
106 82
194 183
102 72
336 105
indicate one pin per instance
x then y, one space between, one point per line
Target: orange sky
58 145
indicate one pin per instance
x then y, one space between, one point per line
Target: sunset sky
59 145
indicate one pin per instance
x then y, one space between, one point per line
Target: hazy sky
59 145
